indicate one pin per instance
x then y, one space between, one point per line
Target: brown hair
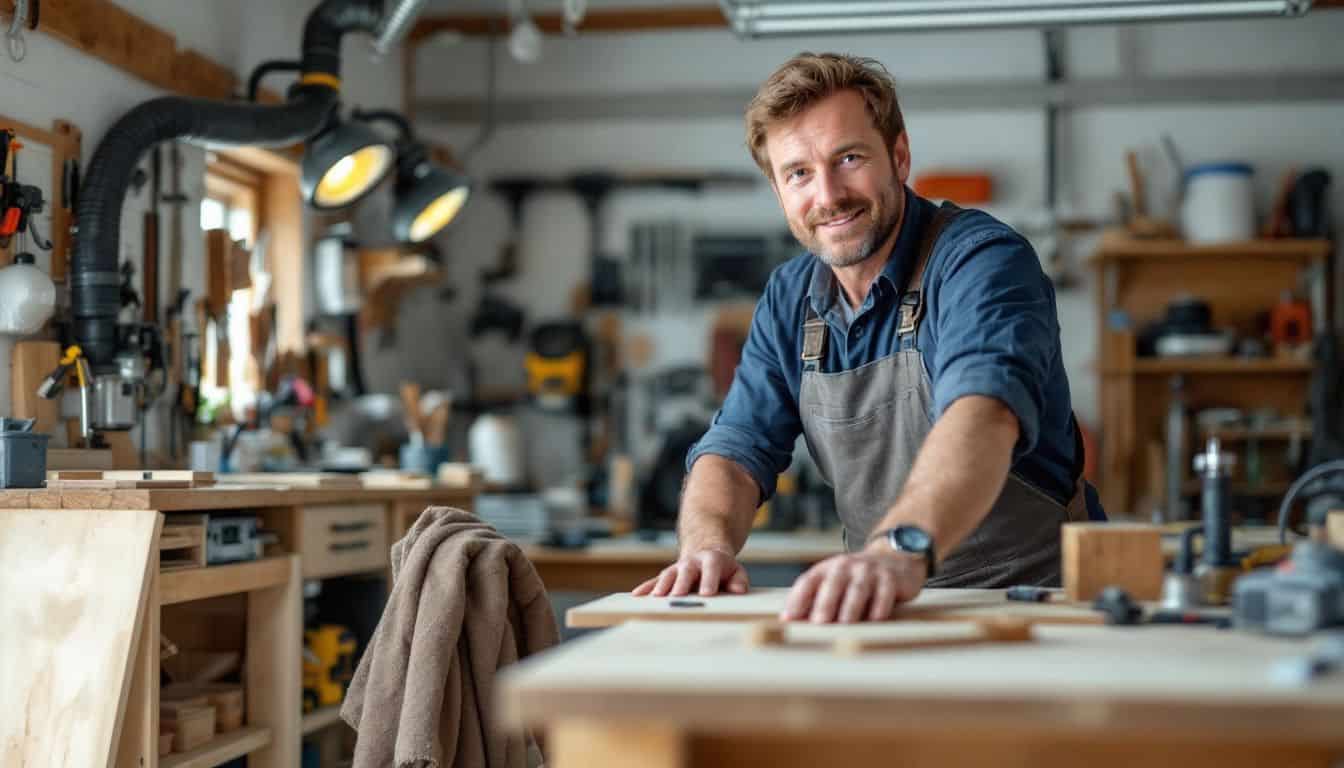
809 78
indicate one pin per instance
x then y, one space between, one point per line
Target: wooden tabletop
766 603
221 497
1071 679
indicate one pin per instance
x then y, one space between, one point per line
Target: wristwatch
912 539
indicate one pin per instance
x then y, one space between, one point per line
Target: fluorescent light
760 19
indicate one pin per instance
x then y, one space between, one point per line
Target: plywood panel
72 602
767 603
1194 683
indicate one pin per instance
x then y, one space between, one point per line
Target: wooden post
592 744
274 669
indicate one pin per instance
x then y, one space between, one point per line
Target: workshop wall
56 81
1007 142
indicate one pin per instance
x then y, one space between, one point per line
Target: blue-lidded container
23 455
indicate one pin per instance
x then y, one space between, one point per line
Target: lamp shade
343 164
426 202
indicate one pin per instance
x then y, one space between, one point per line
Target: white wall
1007 142
56 81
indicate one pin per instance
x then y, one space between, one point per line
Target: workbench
663 694
620 563
323 532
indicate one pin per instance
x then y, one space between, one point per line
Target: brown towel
465 601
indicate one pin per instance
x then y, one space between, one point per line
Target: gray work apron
865 426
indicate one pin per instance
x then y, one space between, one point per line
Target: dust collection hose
95 281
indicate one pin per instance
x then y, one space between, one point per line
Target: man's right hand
706 570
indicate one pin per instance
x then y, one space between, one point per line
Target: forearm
959 472
717 506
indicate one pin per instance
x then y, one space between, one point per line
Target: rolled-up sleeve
997 330
758 423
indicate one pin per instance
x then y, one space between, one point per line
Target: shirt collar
822 292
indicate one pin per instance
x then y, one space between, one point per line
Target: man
917 350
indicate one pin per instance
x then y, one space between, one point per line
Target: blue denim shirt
989 328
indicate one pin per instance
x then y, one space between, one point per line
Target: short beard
884 214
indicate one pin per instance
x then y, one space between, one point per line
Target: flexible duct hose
95 281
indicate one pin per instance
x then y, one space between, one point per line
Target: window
233 194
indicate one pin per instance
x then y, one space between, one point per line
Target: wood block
766 633
458 475
1334 528
225 698
182 543
32 361
192 724
1100 555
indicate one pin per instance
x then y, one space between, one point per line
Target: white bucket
1219 205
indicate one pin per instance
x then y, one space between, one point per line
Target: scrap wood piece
183 478
1002 629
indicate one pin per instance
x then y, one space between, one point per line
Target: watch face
913 539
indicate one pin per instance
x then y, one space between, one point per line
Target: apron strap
1077 506
814 340
912 303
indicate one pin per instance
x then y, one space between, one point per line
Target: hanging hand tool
19 203
52 385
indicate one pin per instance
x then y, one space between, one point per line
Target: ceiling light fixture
769 18
524 35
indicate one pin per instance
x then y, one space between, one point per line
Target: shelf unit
1229 365
1240 281
321 718
219 580
220 749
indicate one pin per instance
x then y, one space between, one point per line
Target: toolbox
23 455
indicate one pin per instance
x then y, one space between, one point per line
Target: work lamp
343 164
428 198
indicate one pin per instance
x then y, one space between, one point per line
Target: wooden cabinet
339 540
1241 282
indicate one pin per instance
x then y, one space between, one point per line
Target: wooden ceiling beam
608 20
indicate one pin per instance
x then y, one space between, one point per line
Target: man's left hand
862 586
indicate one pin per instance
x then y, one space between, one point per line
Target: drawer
341 539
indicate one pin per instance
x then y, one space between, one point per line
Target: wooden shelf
1241 434
220 749
215 580
1118 246
1194 487
1171 365
321 718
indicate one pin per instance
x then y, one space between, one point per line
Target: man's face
840 185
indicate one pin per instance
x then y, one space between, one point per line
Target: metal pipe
396 24
759 19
